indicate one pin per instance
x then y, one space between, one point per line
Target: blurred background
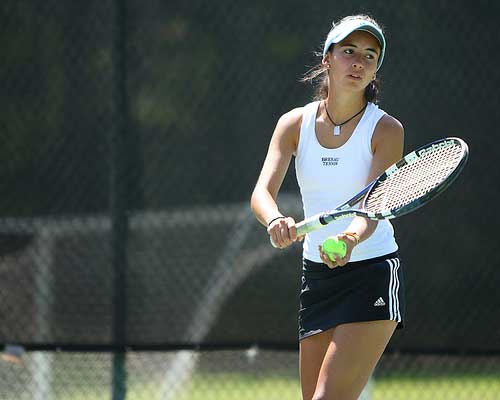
132 134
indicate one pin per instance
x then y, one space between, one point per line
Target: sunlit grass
457 387
262 386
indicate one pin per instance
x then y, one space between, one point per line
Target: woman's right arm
263 202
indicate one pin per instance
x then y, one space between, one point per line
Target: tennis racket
404 187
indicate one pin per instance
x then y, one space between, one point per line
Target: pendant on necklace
336 130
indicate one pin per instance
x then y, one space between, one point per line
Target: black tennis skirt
367 290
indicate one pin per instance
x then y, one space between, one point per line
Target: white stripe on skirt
394 312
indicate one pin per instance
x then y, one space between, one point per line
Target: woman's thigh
312 354
351 357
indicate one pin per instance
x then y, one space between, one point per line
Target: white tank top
329 177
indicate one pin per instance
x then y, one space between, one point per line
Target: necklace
336 127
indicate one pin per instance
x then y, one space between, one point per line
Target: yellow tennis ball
332 246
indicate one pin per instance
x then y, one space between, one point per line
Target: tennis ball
332 246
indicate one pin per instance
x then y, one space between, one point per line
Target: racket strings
414 179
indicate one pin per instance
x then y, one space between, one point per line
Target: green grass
242 387
229 386
457 387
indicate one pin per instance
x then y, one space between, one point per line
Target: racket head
416 179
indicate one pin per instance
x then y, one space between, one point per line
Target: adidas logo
380 302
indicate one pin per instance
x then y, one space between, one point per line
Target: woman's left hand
339 261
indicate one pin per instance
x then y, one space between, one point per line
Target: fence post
119 199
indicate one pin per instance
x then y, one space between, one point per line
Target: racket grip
304 227
310 224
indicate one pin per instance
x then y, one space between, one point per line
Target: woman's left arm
387 147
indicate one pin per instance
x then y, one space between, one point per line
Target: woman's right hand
283 232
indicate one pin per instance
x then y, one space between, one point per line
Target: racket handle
308 225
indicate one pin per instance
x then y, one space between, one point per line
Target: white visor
344 29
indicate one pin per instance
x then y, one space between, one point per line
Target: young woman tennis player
350 307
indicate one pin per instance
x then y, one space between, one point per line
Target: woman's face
353 61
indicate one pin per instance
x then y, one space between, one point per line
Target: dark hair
318 75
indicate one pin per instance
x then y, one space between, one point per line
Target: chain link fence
131 137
